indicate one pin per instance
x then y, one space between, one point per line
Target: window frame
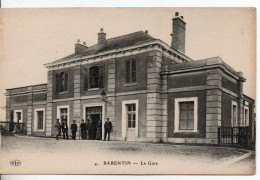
177 114
131 71
87 78
234 103
15 115
59 113
66 73
246 108
36 120
132 113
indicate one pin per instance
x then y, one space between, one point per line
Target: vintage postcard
128 91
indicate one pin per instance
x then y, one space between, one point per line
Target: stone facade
49 105
154 101
111 86
213 104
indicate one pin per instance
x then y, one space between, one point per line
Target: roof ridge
113 43
126 34
115 38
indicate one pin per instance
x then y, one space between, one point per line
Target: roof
249 98
113 43
202 63
25 89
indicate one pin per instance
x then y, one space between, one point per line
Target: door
94 114
131 122
95 119
63 115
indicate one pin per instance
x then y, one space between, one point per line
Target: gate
240 136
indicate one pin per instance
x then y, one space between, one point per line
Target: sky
32 37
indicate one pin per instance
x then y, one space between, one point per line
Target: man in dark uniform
91 130
74 128
64 127
108 128
83 128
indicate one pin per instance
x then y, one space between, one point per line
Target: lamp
103 96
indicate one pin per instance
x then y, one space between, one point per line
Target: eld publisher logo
15 162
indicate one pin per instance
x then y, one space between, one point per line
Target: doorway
130 120
94 114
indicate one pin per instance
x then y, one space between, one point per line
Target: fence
12 127
240 136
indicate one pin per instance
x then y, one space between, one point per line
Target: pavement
47 155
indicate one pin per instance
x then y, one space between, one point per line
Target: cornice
127 51
199 69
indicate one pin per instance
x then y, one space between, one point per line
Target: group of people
88 130
91 131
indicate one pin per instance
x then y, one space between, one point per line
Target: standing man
108 128
64 127
91 130
87 129
74 128
99 131
57 129
83 128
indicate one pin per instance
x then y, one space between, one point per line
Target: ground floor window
131 115
18 116
246 116
39 119
186 117
63 113
234 114
186 120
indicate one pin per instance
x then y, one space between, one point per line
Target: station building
150 91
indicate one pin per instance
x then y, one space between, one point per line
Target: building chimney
178 33
80 47
101 37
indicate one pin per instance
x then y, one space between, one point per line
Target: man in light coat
57 129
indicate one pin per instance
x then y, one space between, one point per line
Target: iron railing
240 136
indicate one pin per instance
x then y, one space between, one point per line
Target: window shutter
101 76
86 79
94 77
66 81
127 68
12 116
40 119
133 71
57 83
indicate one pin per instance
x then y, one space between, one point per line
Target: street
47 155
